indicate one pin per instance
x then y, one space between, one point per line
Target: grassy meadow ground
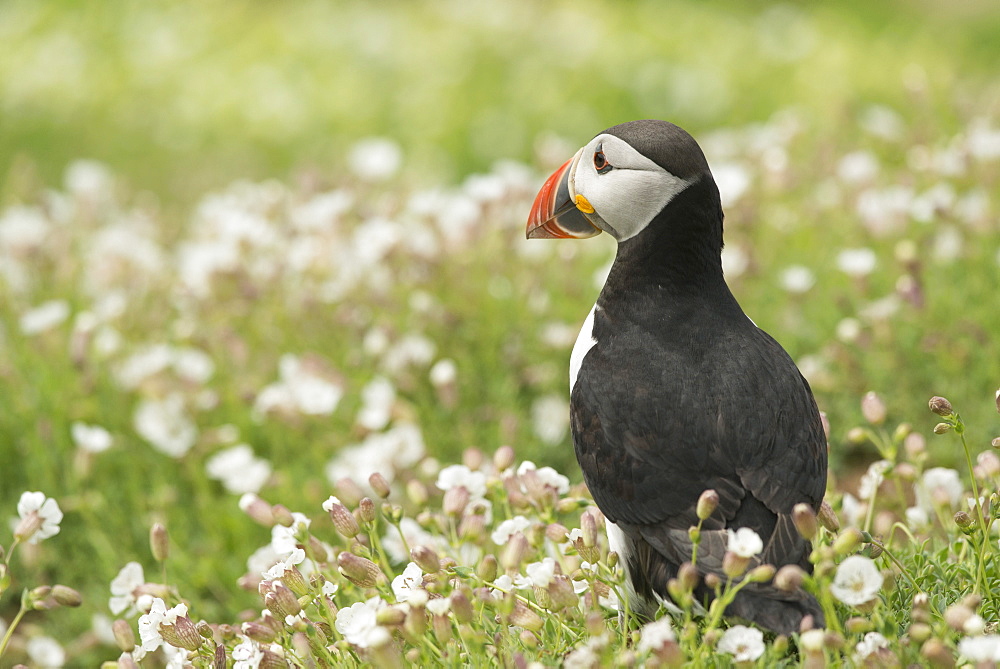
260 249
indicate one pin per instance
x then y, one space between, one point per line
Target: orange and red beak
554 215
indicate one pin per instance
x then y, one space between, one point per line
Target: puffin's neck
679 253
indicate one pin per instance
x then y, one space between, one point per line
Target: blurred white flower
439 606
850 510
443 372
733 180
857 581
745 543
239 470
300 389
90 438
980 648
541 573
411 350
166 425
882 122
90 180
857 167
387 452
745 644
656 634
262 559
856 262
797 279
321 211
505 530
456 476
44 317
411 579
939 485
546 476
149 623
735 260
124 587
39 517
917 518
45 651
947 244
983 140
873 478
588 654
377 399
22 229
247 654
358 622
550 418
278 569
870 645
375 158
415 536
284 539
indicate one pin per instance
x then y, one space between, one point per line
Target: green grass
268 91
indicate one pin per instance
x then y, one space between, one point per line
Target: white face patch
628 195
584 342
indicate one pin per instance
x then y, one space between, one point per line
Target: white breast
584 342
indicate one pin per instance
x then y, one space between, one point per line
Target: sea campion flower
656 634
124 589
505 530
856 262
460 476
238 469
873 478
40 517
980 648
541 573
45 651
745 644
871 646
165 425
939 486
152 624
90 438
546 476
857 581
406 583
44 317
358 622
247 654
745 543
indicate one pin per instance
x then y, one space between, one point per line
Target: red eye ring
601 163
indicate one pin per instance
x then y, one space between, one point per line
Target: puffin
673 388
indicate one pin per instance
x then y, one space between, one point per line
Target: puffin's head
618 182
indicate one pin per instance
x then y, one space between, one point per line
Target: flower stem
13 624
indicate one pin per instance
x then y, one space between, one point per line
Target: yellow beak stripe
583 205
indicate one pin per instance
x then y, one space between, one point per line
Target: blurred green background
181 99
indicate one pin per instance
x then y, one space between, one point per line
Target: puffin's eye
601 163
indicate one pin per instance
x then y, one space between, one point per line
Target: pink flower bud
366 510
159 542
124 636
707 504
940 406
182 634
503 458
344 521
805 521
873 408
358 570
379 485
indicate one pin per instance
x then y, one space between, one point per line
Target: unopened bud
940 406
258 510
761 574
847 541
873 408
472 526
812 641
941 428
694 534
858 625
965 522
789 578
417 492
66 596
392 615
915 445
514 552
906 472
734 565
556 532
995 443
124 636
561 593
957 615
455 500
937 654
462 607
204 629
920 632
379 485
707 504
503 458
124 662
828 517
805 520
182 634
27 526
159 542
473 458
524 617
688 576
487 569
259 632
588 528
712 581
425 558
857 435
366 510
295 581
349 492
281 601
358 570
344 521
282 516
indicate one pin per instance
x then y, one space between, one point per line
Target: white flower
873 478
857 262
797 279
385 452
850 510
550 418
546 476
917 518
656 634
733 180
278 569
439 606
745 543
871 644
330 502
456 476
980 648
358 623
587 655
299 390
284 539
90 438
46 652
377 400
443 372
238 469
44 317
40 517
857 581
745 644
149 623
505 530
541 573
939 483
375 158
411 579
123 588
165 425
735 261
89 180
857 166
974 625
247 654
